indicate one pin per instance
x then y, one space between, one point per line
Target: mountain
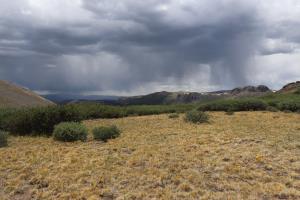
290 88
167 98
189 97
62 98
161 97
12 95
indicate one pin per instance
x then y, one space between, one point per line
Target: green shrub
292 106
70 132
4 113
3 139
234 105
105 133
19 122
272 109
44 119
40 120
173 116
195 116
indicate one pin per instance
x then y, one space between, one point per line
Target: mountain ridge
190 97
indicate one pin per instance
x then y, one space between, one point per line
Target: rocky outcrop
251 91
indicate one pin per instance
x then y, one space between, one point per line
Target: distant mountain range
161 97
12 95
75 98
190 97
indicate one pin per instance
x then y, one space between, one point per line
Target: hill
290 88
12 95
167 98
190 97
65 98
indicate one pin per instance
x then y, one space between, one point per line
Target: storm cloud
131 47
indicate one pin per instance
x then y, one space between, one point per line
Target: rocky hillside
291 88
14 96
249 91
167 98
189 97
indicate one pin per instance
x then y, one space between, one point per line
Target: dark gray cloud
139 46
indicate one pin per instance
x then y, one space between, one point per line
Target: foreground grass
249 155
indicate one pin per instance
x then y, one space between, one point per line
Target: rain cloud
133 47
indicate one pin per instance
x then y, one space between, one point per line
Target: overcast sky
127 47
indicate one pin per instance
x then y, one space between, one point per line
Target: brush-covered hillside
190 97
12 95
291 88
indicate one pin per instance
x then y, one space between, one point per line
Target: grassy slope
278 97
250 155
14 96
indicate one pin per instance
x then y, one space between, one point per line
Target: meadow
41 120
247 155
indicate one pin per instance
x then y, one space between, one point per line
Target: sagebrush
70 132
196 116
104 133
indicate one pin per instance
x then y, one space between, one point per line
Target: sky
130 47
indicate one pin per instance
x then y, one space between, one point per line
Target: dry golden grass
244 156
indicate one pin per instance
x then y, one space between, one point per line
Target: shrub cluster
3 139
39 121
292 106
235 105
105 133
4 113
94 110
196 116
70 132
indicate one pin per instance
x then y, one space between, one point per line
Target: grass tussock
174 116
229 112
